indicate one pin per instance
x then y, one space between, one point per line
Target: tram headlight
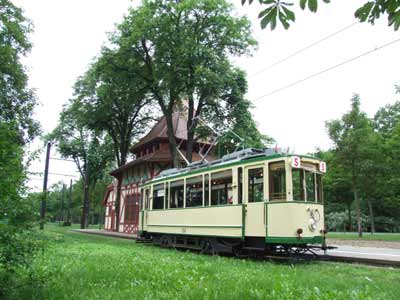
312 224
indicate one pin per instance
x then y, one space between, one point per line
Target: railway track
330 258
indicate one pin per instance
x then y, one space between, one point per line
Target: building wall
132 178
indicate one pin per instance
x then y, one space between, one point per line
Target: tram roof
235 158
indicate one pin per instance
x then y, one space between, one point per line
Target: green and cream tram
251 199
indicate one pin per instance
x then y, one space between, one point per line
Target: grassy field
367 236
79 266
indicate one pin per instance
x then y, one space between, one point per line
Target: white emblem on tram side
315 217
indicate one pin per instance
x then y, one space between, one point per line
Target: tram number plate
296 162
322 167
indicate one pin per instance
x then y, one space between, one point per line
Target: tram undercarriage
250 246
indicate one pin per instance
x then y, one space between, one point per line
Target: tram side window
221 188
320 194
298 184
176 194
194 191
277 181
240 185
310 186
166 196
256 185
158 196
146 199
206 190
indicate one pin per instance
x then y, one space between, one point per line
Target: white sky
69 33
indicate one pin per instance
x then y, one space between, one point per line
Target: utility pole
69 204
62 204
44 196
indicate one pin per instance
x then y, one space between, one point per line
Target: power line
62 159
59 174
302 50
327 70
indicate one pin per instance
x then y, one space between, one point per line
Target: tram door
255 195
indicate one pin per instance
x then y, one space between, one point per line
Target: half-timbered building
151 156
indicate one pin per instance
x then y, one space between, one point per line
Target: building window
256 185
194 191
176 195
221 188
277 181
206 190
158 196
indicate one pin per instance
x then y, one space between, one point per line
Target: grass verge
81 266
367 236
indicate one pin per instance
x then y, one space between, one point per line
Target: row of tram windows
217 188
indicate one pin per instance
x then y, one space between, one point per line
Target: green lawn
393 237
80 266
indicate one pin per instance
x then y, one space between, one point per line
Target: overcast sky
69 33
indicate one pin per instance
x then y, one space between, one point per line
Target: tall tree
184 48
277 10
352 135
17 100
234 117
114 99
90 150
387 127
17 129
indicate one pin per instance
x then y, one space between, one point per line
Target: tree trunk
190 130
358 212
117 202
189 147
371 216
172 141
350 221
85 207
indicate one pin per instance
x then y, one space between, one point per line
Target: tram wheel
208 248
165 242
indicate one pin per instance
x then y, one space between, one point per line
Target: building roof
159 131
159 156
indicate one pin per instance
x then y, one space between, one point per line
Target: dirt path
362 243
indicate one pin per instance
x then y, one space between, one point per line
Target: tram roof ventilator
234 156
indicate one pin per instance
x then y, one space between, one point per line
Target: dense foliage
364 170
168 56
371 11
183 48
17 100
18 239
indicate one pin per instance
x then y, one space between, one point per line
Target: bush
17 249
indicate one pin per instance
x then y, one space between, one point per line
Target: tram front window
307 185
298 184
277 181
320 194
310 186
